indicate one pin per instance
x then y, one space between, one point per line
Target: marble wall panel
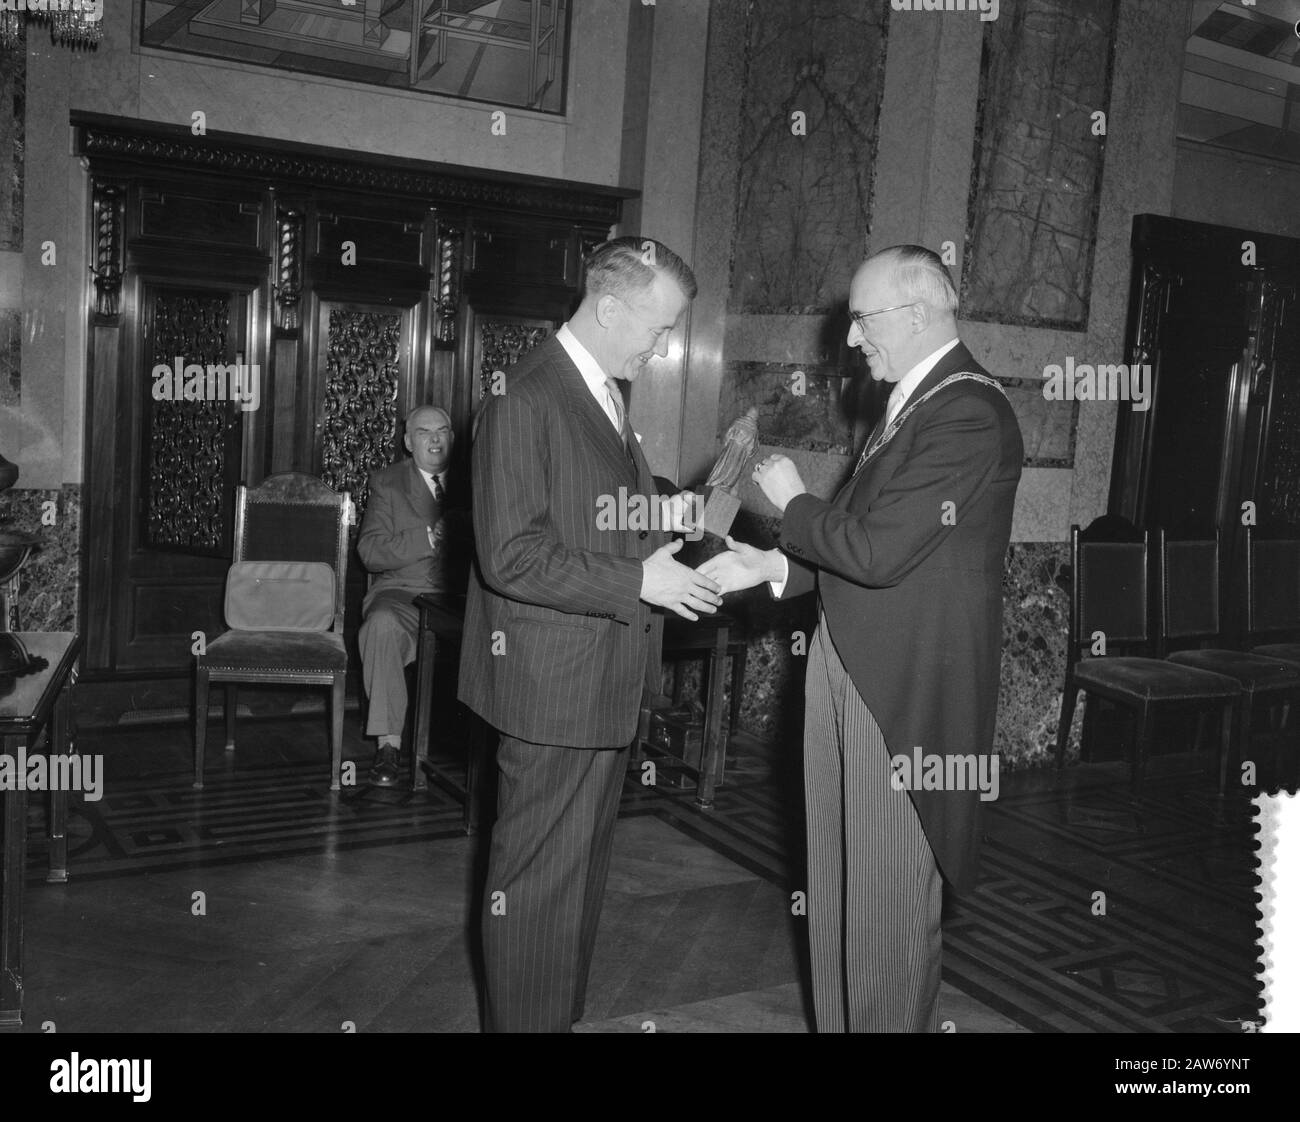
1036 181
800 405
47 593
11 349
805 183
13 115
1047 426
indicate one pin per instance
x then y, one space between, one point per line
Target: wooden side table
709 638
442 623
33 708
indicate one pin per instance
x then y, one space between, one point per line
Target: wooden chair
1109 608
1189 612
1273 597
288 517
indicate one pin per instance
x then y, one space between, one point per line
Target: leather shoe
384 771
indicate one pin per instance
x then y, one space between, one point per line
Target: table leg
482 755
713 752
11 899
60 745
426 649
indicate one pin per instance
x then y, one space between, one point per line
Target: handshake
670 584
687 591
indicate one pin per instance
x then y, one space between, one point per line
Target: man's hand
742 566
680 514
779 479
671 584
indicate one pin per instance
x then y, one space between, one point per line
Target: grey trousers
556 809
875 895
387 642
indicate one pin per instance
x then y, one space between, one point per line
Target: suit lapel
420 495
956 360
581 403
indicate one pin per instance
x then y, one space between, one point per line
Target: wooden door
1213 312
182 459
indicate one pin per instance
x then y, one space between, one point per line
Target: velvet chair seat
284 651
1150 679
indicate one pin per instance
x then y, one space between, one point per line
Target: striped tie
439 493
616 399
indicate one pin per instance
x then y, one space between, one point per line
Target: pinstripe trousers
556 809
875 895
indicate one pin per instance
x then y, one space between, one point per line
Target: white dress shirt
428 481
908 382
428 478
897 399
590 370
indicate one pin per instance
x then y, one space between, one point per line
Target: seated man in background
411 542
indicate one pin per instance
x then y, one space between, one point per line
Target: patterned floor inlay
1097 910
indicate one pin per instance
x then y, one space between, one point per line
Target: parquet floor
264 902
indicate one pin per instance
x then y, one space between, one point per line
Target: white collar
587 366
908 382
430 476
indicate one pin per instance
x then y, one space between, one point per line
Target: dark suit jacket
394 542
555 590
914 606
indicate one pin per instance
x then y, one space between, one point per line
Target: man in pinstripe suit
907 560
560 633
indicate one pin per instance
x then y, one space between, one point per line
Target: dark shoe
384 771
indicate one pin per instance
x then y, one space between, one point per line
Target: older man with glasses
907 562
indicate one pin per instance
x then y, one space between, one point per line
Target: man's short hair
627 267
920 274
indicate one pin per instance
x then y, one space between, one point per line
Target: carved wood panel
500 343
363 358
187 482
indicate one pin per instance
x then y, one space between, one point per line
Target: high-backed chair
1189 612
288 517
1273 597
1109 611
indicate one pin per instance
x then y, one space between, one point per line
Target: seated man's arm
387 542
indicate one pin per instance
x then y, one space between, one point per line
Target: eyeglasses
859 317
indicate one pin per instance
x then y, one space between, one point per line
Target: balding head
904 307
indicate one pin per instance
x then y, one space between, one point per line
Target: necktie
439 492
616 399
892 406
895 403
